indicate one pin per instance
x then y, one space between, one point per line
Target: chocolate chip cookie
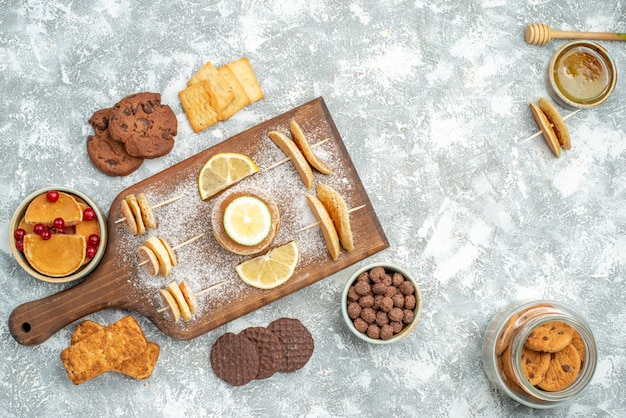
106 154
145 126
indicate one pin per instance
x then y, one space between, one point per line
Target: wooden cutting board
118 281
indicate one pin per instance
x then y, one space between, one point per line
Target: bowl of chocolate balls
381 303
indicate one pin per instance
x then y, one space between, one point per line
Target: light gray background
431 99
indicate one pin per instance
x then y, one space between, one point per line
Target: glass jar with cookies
540 353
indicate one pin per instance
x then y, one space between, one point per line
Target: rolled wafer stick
313 225
536 134
200 293
284 160
158 205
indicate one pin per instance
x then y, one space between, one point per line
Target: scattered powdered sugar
204 264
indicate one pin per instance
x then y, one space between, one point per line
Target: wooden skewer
284 160
202 292
182 244
158 205
313 225
541 34
536 134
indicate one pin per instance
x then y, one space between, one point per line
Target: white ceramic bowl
84 270
389 268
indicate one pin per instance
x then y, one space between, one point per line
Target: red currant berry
19 234
37 229
19 245
46 234
59 223
89 214
91 251
52 196
94 240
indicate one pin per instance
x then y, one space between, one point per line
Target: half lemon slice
247 220
223 170
272 269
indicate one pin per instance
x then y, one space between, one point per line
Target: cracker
219 91
196 101
241 99
139 367
104 349
244 73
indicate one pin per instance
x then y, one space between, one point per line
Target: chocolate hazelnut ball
397 279
386 304
366 301
382 318
360 325
362 288
379 288
398 300
352 294
396 315
386 332
407 288
373 331
368 315
354 310
410 302
397 326
409 315
376 274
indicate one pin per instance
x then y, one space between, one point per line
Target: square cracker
140 367
196 101
241 98
219 91
104 349
245 75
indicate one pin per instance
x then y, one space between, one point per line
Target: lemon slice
223 170
272 269
247 220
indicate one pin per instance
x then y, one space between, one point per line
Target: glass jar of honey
581 74
540 353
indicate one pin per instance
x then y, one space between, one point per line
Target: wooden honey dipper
541 34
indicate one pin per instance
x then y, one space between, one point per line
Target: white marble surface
431 98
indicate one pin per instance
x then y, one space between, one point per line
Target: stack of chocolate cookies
286 345
135 128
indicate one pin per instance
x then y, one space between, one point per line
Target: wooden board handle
34 322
